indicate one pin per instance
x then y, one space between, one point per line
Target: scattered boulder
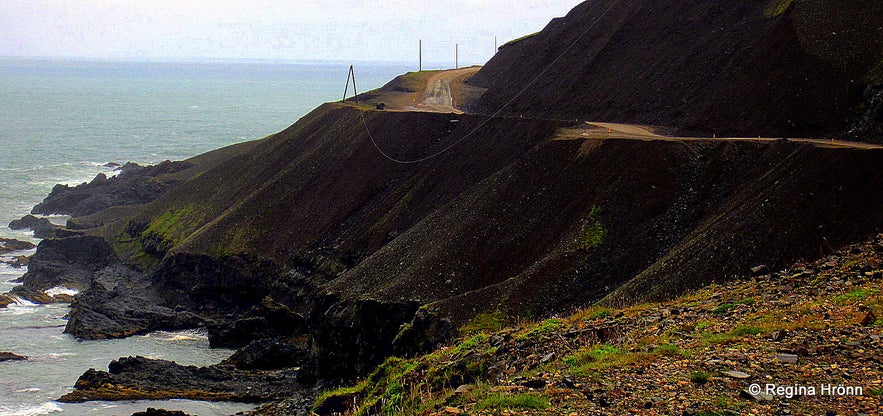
270 354
869 318
760 270
9 245
67 262
738 375
788 358
8 356
140 378
160 412
42 227
134 185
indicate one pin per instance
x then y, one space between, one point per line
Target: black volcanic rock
269 319
270 354
350 338
122 311
42 227
135 378
8 356
68 261
160 412
134 185
9 245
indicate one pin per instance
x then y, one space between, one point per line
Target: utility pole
420 55
495 44
456 56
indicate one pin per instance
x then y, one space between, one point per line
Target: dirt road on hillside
439 91
634 131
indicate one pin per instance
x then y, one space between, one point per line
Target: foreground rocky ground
812 325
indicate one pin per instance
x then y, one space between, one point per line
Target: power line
488 119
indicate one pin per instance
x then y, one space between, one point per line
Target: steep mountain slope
780 68
313 246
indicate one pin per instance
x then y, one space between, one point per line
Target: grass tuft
521 401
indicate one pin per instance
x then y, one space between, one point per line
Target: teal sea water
61 121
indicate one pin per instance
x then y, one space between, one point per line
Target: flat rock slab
737 375
788 358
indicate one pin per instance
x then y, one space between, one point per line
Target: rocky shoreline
240 300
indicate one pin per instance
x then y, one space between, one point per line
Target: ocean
61 121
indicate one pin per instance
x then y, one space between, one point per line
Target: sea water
62 121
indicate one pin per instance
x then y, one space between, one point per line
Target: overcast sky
342 30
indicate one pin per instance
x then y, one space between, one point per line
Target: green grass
588 361
383 389
590 355
876 392
699 377
857 294
726 307
470 343
669 350
486 322
709 338
546 327
777 8
593 232
741 331
520 401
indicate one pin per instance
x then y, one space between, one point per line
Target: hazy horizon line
226 60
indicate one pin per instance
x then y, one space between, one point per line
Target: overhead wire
487 119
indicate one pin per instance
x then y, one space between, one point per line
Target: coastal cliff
320 257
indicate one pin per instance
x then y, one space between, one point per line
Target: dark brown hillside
705 67
502 217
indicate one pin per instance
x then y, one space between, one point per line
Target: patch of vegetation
701 325
587 361
709 338
546 327
520 401
741 331
517 40
876 392
485 322
699 377
726 307
777 8
593 232
382 392
470 343
669 350
856 294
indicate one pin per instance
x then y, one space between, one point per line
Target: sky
342 30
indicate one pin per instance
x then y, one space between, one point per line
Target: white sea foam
29 390
43 409
61 290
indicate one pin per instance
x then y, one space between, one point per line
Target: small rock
761 397
547 357
778 335
737 375
760 270
869 319
160 412
788 358
8 356
463 389
535 383
453 410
